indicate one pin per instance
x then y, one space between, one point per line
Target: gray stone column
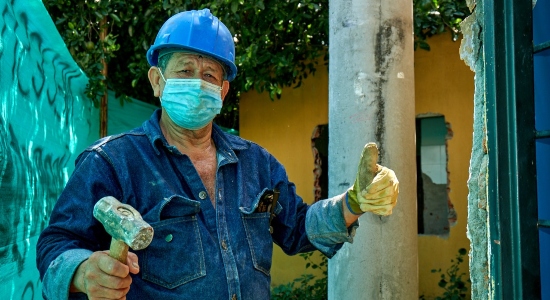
371 98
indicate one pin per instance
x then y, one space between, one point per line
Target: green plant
433 17
451 281
278 43
80 23
307 286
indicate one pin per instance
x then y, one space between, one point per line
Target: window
435 211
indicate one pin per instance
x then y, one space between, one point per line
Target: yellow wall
284 128
444 85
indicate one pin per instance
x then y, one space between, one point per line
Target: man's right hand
101 276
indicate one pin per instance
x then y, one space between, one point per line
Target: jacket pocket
256 225
259 240
175 256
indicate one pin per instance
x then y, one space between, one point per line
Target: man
202 191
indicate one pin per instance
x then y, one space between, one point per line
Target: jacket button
234 297
224 245
202 195
169 238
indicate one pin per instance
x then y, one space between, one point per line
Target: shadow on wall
44 123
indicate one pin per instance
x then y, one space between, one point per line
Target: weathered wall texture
445 85
371 99
43 124
471 53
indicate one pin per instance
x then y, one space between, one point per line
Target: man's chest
206 168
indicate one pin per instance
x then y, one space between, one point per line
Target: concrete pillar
371 98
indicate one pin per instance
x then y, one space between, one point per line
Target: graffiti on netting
42 110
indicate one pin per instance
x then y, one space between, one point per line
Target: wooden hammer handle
118 250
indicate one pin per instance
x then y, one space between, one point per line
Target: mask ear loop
162 76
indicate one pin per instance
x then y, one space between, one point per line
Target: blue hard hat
198 31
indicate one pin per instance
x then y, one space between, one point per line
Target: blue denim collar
226 144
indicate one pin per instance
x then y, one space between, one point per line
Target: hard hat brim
229 67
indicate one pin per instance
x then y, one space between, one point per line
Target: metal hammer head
123 223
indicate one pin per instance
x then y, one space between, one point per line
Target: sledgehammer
125 225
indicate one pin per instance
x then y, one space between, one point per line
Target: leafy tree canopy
278 43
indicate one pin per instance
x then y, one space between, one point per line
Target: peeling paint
358 86
470 46
472 4
471 51
351 23
482 183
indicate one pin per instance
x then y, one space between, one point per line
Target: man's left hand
375 188
380 196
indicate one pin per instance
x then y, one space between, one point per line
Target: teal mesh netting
45 121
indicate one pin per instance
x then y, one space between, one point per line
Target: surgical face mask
191 103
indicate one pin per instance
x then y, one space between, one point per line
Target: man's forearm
326 225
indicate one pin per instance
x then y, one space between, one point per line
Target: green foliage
307 286
278 43
451 281
432 17
78 23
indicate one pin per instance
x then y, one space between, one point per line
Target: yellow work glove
375 188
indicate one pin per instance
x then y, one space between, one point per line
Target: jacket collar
225 142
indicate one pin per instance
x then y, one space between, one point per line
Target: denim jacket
198 251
